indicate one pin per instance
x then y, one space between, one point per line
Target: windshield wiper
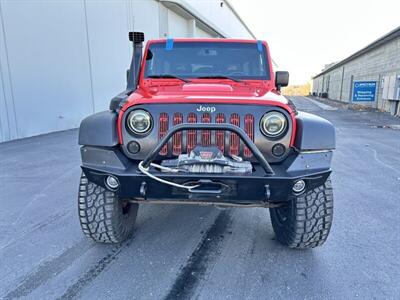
168 76
219 77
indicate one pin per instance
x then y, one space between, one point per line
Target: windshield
207 60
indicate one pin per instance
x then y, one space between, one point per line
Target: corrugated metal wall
63 60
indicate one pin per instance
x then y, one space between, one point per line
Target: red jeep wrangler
202 122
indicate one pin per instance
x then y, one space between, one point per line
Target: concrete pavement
202 252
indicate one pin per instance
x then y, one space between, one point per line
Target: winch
207 160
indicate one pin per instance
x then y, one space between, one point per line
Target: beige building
371 76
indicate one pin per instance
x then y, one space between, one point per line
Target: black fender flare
314 133
99 129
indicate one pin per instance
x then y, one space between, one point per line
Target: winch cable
146 172
164 168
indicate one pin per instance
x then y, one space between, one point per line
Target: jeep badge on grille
210 109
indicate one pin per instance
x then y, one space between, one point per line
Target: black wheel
103 216
306 221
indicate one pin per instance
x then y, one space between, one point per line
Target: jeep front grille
229 143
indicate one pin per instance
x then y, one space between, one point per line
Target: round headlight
139 121
273 124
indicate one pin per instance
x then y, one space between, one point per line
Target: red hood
207 92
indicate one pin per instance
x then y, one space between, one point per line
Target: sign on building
364 90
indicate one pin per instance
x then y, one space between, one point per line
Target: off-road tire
306 221
103 216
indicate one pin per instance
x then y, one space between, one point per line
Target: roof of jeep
216 40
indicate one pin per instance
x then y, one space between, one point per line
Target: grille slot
206 134
191 135
234 142
220 134
163 128
249 129
177 138
228 143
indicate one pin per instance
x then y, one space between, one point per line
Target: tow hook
143 189
206 186
267 192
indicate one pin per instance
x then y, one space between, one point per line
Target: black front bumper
265 184
257 187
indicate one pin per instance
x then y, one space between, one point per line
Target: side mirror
281 79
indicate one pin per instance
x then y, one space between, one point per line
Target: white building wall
201 33
223 16
46 63
63 60
178 27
